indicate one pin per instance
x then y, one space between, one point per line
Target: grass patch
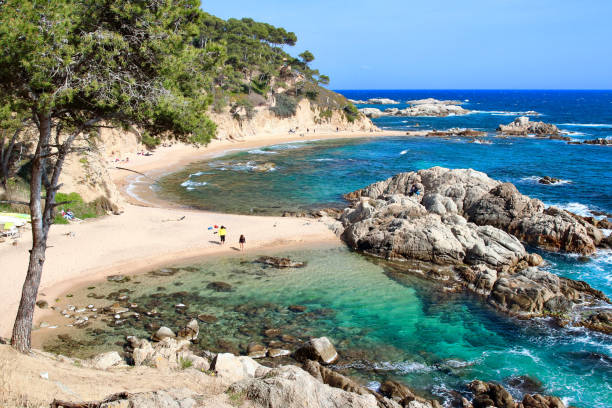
236 399
80 208
185 363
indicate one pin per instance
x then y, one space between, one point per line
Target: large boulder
106 360
318 349
292 387
170 353
236 368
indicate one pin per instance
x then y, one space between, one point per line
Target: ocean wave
192 184
401 367
259 151
574 207
324 160
403 152
508 113
604 125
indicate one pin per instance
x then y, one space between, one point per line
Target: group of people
223 233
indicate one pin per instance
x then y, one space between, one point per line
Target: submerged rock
549 180
220 286
280 262
118 278
494 395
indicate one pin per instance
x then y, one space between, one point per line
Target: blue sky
446 44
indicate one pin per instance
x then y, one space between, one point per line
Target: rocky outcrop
461 132
549 180
375 101
425 109
166 354
290 386
522 126
482 201
465 229
488 395
599 141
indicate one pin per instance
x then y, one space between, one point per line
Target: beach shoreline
154 233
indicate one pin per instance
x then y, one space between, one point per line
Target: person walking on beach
222 232
242 241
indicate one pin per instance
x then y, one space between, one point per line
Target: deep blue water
571 363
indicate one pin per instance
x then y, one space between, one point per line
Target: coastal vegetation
69 69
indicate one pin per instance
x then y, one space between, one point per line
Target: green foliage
285 106
80 208
236 399
126 61
307 57
312 94
242 108
326 114
150 142
351 112
185 363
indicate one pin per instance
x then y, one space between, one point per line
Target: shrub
185 363
149 141
312 94
285 106
351 112
242 104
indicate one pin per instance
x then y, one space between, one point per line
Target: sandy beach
149 235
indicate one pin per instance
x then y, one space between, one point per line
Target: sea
386 323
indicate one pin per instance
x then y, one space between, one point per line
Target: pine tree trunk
22 329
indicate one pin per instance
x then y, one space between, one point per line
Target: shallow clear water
433 342
385 324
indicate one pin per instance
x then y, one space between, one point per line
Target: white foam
587 124
259 151
403 152
536 180
576 208
190 184
324 160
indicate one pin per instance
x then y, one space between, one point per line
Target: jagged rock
280 262
168 353
189 332
490 395
464 230
523 126
292 387
106 360
372 112
162 333
172 398
220 286
600 321
549 180
540 401
318 349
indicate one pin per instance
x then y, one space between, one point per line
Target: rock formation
425 107
465 229
522 126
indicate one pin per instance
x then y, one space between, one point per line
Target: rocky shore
423 107
240 381
467 231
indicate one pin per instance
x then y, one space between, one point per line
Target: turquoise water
432 342
385 324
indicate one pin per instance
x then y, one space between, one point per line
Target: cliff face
307 116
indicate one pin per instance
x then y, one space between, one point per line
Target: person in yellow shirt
222 232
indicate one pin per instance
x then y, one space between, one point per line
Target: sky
445 44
